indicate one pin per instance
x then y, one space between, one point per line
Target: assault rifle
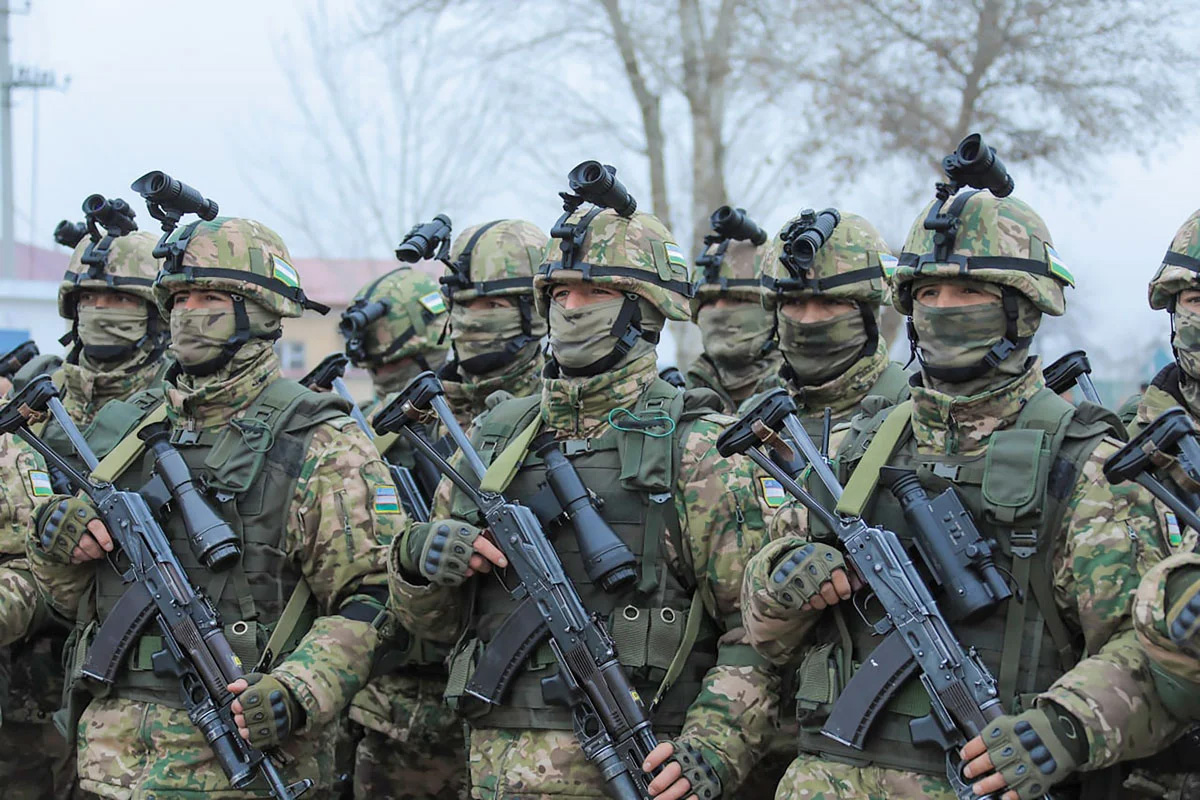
1165 459
610 722
327 376
917 638
1073 369
195 650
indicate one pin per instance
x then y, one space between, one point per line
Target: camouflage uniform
32 754
723 707
1093 559
86 386
405 742
744 338
135 741
497 259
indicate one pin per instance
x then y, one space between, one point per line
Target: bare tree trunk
649 106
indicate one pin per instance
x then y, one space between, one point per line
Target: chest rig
249 470
664 638
1017 493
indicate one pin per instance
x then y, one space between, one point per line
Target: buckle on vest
184 436
1024 544
947 471
573 447
660 498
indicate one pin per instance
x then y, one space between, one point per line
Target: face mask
962 336
582 336
108 334
820 351
479 332
396 377
734 335
1187 341
199 335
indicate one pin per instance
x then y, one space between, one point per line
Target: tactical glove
61 524
1036 749
441 551
1183 606
797 575
704 780
270 710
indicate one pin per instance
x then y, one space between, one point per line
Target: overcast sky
194 89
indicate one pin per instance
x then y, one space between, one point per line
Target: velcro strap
865 477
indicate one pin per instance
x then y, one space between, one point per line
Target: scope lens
593 172
93 203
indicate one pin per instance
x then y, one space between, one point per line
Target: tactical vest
633 476
892 385
249 470
1017 492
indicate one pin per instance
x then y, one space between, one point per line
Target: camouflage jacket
468 394
1163 393
337 538
26 488
85 389
703 374
843 395
1109 538
719 502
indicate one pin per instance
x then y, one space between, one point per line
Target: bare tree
394 131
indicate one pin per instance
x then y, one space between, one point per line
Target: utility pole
20 78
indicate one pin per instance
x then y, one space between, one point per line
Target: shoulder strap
892 383
504 468
128 450
865 477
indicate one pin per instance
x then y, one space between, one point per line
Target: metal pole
8 247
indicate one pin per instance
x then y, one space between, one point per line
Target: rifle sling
504 468
128 449
291 625
865 477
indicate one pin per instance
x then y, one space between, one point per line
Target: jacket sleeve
723 515
1111 540
20 469
338 534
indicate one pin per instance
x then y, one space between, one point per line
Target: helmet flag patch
434 303
285 272
1057 268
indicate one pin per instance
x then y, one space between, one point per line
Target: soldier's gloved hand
810 575
265 711
69 531
448 551
686 774
1183 606
1026 754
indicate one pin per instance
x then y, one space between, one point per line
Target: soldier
1176 288
118 338
495 334
647 451
826 313
35 761
740 355
291 473
1027 465
409 744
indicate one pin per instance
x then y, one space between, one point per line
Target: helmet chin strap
628 329
999 352
241 335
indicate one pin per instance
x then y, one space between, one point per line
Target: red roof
333 282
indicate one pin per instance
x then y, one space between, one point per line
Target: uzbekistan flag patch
39 483
1057 268
675 256
772 492
386 500
284 272
433 302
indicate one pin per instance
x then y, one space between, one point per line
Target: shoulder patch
772 492
39 483
1174 535
433 302
386 500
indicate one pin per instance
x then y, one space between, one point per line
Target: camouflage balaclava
635 255
243 259
112 337
727 304
494 261
1179 271
995 245
831 255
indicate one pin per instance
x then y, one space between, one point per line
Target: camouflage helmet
1180 267
851 265
494 259
235 255
635 254
129 266
411 316
736 275
998 240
